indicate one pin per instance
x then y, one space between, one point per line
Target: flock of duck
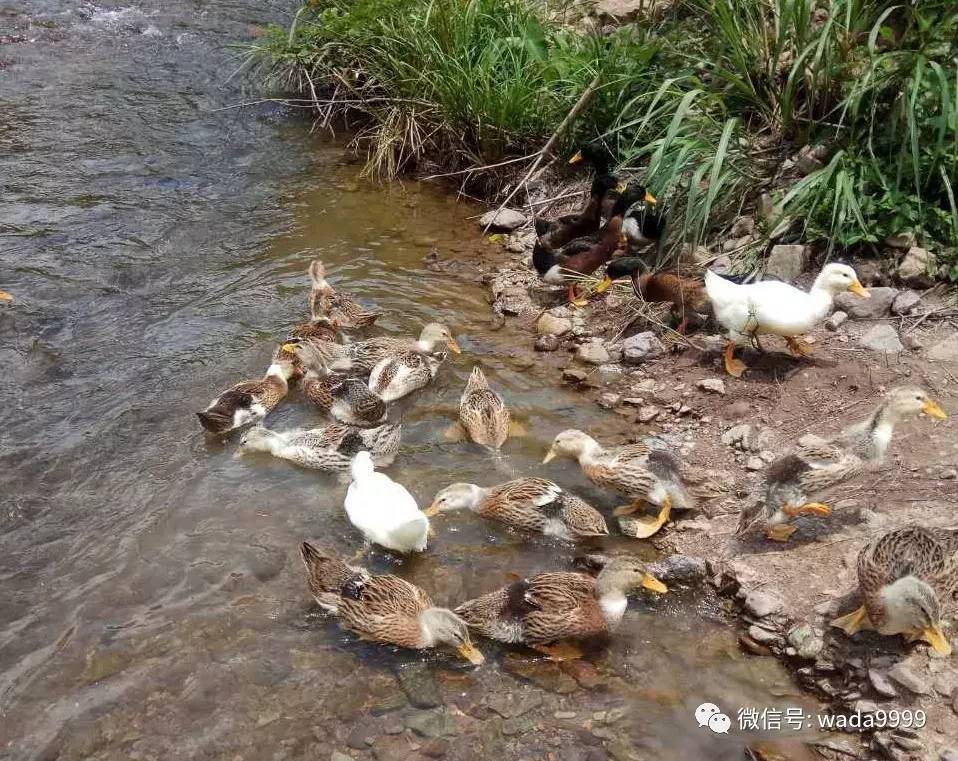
904 575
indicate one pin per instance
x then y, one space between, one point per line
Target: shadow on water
152 603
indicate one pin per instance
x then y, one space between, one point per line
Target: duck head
455 497
571 443
836 278
441 626
625 574
912 608
905 402
436 332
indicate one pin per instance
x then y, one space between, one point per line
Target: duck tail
317 272
542 258
215 421
718 288
477 381
324 572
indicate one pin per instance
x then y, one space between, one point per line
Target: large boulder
915 266
787 262
872 308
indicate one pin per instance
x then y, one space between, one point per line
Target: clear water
152 603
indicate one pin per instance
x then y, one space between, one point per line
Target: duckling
776 308
686 294
796 482
384 609
325 301
348 400
399 375
584 257
555 233
555 607
363 356
635 470
249 401
535 505
483 413
905 576
383 510
330 447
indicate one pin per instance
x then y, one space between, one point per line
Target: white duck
776 308
383 510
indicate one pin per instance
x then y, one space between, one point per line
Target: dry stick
926 315
478 168
550 144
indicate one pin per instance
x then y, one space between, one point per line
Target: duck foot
734 367
559 651
799 346
853 622
781 532
809 508
645 526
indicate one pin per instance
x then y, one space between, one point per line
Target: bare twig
550 144
483 168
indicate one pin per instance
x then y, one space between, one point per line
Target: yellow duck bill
550 455
651 583
935 637
453 345
859 290
471 653
934 410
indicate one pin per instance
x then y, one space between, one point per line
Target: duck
905 576
796 482
331 447
553 234
533 505
399 375
547 611
642 223
584 256
690 303
385 608
362 356
383 510
483 413
346 399
325 301
776 308
600 157
638 471
249 401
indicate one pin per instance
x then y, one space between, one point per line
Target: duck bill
859 290
453 345
620 188
650 582
550 456
471 653
649 198
432 510
934 410
577 158
604 285
290 347
4 296
935 637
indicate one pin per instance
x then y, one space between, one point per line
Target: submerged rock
419 684
546 342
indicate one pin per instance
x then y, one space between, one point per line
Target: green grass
704 102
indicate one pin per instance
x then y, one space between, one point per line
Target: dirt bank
784 595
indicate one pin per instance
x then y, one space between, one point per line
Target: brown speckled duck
401 374
384 609
348 400
548 610
325 301
483 413
330 447
905 577
534 505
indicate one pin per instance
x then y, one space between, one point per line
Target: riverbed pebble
904 675
761 604
546 342
593 353
549 324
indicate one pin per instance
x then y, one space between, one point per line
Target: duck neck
879 429
278 375
612 599
423 346
479 495
822 298
589 451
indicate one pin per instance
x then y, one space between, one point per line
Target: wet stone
543 674
361 738
436 748
516 726
679 568
547 342
763 636
509 705
337 756
574 375
882 684
419 684
761 604
436 723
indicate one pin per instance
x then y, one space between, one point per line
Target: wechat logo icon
711 716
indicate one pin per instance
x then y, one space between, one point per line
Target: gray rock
574 375
361 738
509 705
715 385
640 347
593 353
879 305
882 684
337 756
547 342
945 351
506 220
648 413
762 604
546 295
550 325
836 320
865 706
949 754
721 265
737 436
907 678
619 11
807 643
810 159
754 463
915 266
608 401
436 723
516 726
741 227
763 636
679 568
905 302
787 262
882 338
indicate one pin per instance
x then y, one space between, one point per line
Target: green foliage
704 104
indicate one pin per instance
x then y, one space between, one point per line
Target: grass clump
706 102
